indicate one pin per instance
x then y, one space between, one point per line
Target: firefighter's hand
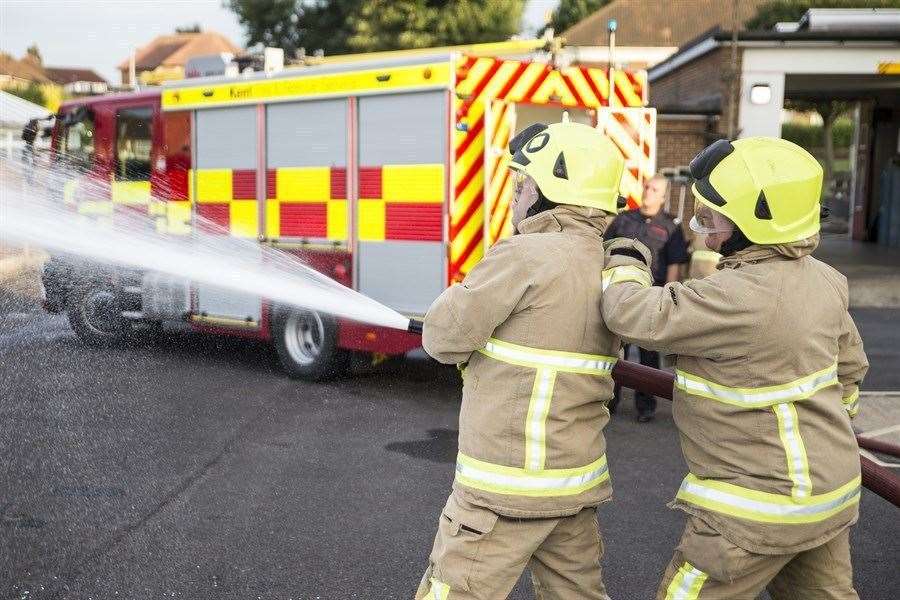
624 251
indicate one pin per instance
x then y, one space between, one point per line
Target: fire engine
387 174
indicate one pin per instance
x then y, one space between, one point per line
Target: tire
95 314
306 342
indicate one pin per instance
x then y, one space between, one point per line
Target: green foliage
195 28
32 93
569 12
810 136
776 11
341 26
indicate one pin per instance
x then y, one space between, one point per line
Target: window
78 141
133 143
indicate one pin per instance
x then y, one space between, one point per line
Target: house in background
77 81
27 72
164 58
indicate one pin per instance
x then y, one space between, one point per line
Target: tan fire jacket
537 380
768 367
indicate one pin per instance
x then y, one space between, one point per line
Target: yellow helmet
571 163
769 187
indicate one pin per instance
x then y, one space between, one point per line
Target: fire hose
660 383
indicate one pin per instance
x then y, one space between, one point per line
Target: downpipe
660 383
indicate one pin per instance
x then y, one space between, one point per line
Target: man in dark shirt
657 230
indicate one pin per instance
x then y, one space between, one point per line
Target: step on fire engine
387 175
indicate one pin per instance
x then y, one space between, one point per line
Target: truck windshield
133 143
78 142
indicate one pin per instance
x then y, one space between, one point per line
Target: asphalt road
192 468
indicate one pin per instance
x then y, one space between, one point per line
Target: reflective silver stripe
686 584
745 505
537 359
798 390
794 449
536 420
512 480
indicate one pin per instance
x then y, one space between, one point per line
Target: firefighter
768 367
525 327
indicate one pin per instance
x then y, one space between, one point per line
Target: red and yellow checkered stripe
308 202
401 202
226 199
481 79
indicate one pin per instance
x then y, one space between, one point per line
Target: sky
100 34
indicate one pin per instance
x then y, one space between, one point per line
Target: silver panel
397 129
407 276
226 138
217 302
307 134
164 296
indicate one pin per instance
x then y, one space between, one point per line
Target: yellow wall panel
299 184
337 220
273 218
412 183
371 220
213 185
244 218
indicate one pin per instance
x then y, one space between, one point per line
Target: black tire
95 314
306 342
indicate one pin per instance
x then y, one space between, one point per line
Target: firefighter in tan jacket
768 368
537 358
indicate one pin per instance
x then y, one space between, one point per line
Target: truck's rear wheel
95 314
306 342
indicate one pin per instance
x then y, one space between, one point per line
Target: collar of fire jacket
580 219
758 253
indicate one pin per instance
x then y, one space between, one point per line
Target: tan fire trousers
707 566
479 555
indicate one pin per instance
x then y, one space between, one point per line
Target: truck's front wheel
95 314
306 342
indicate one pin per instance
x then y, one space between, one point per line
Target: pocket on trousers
707 550
462 529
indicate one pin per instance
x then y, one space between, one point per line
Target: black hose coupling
415 326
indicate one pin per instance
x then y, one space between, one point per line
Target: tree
341 26
32 92
569 12
195 28
777 11
35 54
830 111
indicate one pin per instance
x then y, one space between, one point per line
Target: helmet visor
706 221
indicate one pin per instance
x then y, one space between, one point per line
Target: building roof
65 75
717 37
27 69
176 49
665 23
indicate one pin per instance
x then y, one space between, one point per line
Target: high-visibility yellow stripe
582 87
706 255
178 216
765 507
686 584
536 419
758 397
130 192
526 80
515 481
554 85
568 362
438 591
371 220
303 184
273 218
95 207
213 185
794 449
851 403
412 183
409 77
625 273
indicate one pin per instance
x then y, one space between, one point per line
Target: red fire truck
388 175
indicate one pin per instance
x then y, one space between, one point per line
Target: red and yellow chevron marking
401 202
481 79
633 130
307 202
500 181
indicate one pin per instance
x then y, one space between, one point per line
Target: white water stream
32 213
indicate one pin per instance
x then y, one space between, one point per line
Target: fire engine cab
388 175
